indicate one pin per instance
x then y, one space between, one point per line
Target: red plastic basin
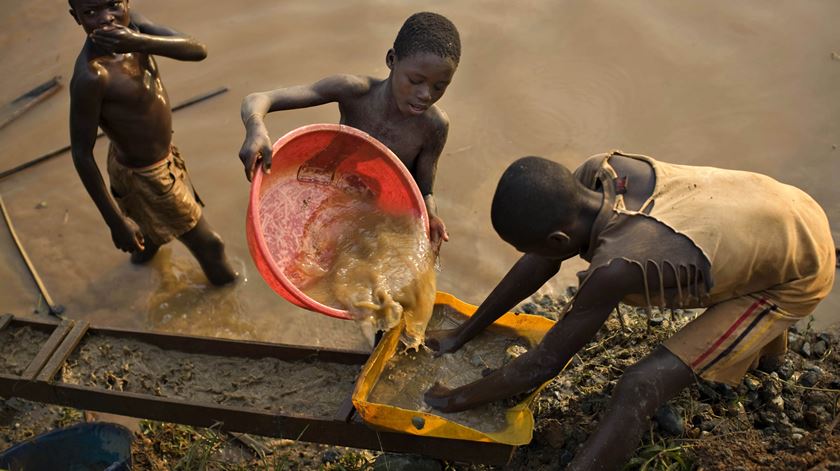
284 203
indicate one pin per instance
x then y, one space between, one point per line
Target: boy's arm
592 305
426 169
256 105
86 93
150 39
526 276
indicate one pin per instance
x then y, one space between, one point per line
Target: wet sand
731 84
314 389
18 347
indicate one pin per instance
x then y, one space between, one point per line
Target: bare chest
404 139
134 82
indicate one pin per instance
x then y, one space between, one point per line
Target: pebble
809 378
669 421
529 308
41 205
796 437
752 383
330 456
806 349
820 348
795 341
418 422
778 403
656 320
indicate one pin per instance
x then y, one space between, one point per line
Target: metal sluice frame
38 383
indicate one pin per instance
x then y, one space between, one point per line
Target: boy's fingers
266 158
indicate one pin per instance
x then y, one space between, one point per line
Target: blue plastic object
83 447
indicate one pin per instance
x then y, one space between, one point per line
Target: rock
813 419
786 370
806 349
400 462
550 315
669 421
796 437
777 403
330 456
545 301
751 383
795 341
656 320
809 378
769 389
529 308
820 348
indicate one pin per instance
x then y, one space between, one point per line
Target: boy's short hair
534 197
428 32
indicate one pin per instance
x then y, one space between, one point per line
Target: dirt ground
783 419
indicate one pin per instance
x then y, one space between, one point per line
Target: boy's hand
257 146
439 397
444 341
437 233
127 236
118 38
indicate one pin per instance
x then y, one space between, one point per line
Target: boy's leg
641 390
209 249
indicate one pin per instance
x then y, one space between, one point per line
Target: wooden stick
57 152
54 309
29 99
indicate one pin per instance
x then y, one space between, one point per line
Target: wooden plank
71 341
47 350
259 422
23 103
346 411
239 348
4 320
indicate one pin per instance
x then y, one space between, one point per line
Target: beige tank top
729 232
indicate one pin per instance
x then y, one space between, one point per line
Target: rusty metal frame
344 429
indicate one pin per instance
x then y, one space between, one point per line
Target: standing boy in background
399 111
116 86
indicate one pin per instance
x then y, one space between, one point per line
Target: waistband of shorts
113 154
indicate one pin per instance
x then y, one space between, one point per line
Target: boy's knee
638 389
214 244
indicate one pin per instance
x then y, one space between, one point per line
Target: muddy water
379 267
734 84
408 375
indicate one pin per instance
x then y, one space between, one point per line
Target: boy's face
100 14
419 80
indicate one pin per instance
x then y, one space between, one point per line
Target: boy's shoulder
88 73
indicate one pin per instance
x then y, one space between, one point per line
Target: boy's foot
143 256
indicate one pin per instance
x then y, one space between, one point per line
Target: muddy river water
747 85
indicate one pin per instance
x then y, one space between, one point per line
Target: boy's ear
559 237
390 58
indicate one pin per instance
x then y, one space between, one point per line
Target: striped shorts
730 337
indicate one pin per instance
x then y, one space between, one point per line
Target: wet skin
641 389
116 86
399 111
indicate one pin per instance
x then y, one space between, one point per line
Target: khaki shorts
159 197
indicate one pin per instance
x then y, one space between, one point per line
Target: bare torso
405 137
135 110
